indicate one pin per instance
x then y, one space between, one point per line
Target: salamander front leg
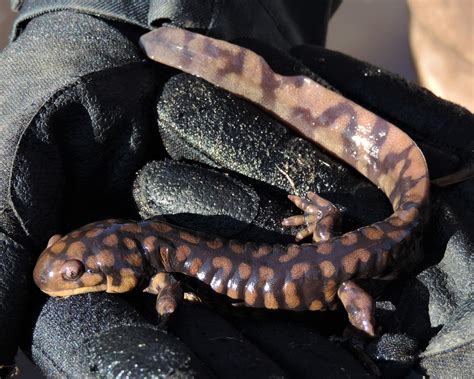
319 219
168 291
359 306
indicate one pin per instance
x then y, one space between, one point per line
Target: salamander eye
73 269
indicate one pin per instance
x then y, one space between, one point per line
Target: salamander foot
359 305
169 294
319 218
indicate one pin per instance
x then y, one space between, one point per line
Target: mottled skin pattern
116 256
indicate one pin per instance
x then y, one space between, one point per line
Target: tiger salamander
118 255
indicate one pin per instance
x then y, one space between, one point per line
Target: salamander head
103 256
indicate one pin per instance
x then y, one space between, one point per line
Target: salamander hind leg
359 305
169 293
319 219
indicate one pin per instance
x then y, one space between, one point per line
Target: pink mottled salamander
115 255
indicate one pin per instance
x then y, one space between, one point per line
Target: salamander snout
102 256
60 272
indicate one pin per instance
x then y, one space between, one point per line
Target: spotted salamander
117 256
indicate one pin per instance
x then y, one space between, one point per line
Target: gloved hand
77 121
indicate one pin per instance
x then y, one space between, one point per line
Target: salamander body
117 255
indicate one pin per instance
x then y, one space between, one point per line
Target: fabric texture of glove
47 104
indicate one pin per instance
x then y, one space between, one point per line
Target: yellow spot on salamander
131 228
262 251
250 297
291 297
349 239
129 279
188 237
76 250
291 253
161 227
215 244
58 247
351 260
265 273
236 247
315 305
94 232
299 269
373 233
270 301
131 244
134 258
149 243
111 240
223 263
327 269
325 248
244 271
182 252
195 266
330 289
105 258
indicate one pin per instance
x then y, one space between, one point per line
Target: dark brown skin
116 256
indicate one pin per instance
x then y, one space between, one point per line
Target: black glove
78 120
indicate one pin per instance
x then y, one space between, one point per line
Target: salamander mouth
76 291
